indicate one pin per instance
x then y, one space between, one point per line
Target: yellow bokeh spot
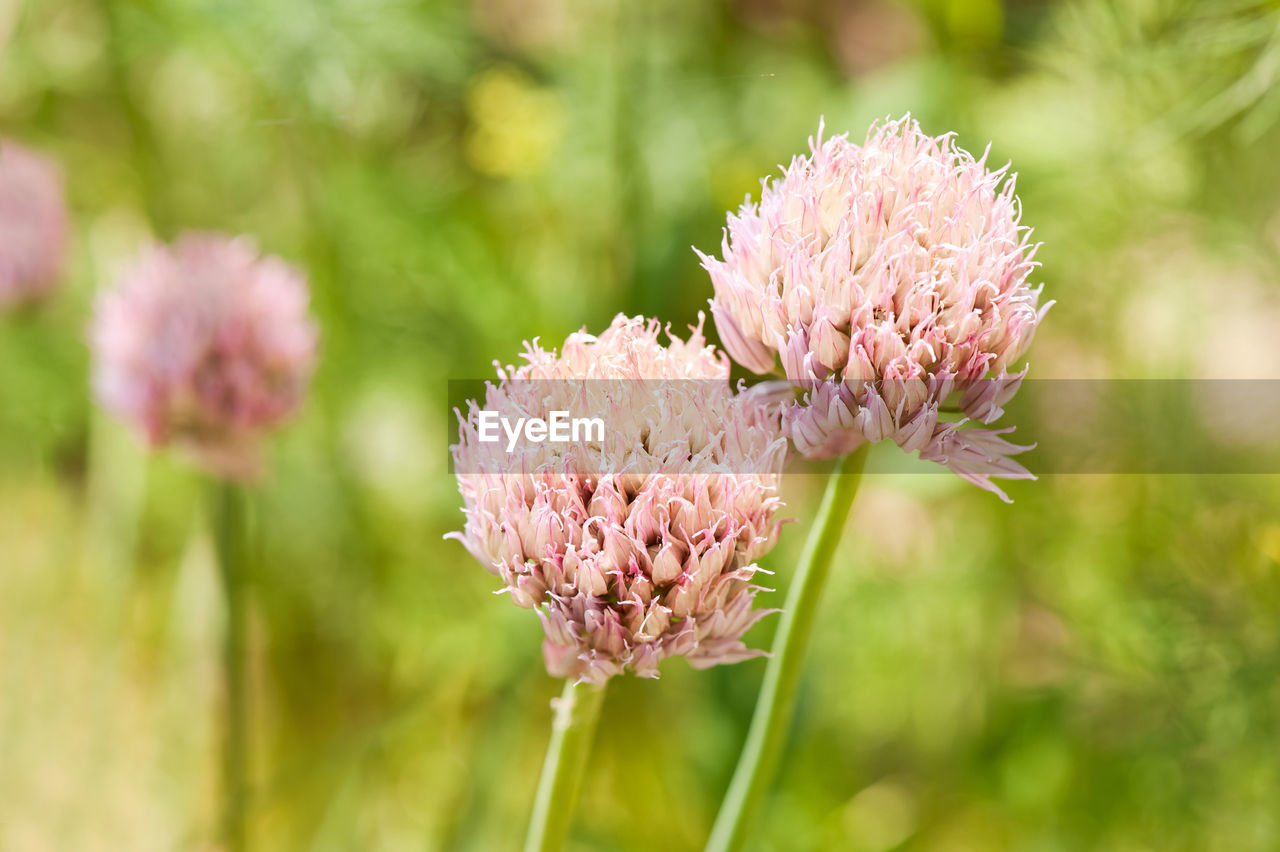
1271 542
516 124
882 816
979 22
733 177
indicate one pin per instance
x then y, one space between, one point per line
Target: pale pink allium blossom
33 225
205 345
640 546
886 278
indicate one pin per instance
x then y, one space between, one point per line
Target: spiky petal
641 546
884 277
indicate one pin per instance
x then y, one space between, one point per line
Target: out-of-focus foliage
1095 667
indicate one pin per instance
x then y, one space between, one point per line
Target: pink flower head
642 545
205 345
33 225
885 277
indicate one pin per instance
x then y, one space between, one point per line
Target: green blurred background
1094 667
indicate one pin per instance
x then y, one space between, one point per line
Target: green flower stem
227 517
572 732
145 145
776 704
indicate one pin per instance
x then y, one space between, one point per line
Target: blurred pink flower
640 546
33 225
885 277
205 345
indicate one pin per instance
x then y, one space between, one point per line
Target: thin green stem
227 515
572 732
776 704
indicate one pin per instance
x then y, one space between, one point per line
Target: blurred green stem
572 732
776 704
227 516
145 148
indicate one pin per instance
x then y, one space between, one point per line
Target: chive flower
638 543
34 225
888 281
205 345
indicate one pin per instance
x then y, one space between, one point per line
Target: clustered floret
640 546
885 278
34 225
205 345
